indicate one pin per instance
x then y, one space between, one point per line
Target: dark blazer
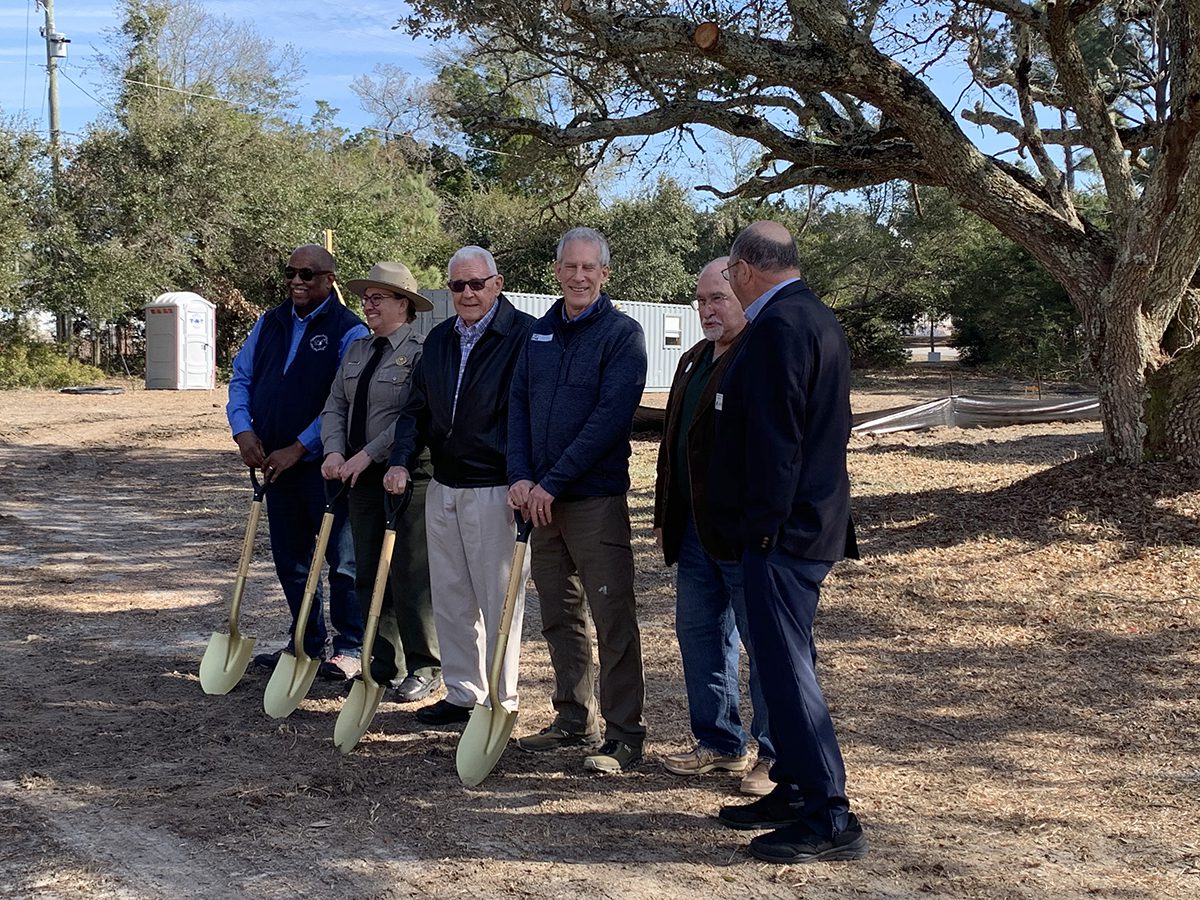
670 508
468 445
777 473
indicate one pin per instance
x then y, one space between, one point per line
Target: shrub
37 365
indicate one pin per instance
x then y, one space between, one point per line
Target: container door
162 347
198 350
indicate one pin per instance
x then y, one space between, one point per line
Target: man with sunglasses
281 379
458 407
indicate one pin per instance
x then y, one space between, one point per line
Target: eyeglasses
376 299
725 271
306 274
459 285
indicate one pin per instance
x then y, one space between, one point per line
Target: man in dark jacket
574 393
458 407
710 612
281 378
780 494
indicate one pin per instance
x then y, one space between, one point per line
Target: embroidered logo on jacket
319 342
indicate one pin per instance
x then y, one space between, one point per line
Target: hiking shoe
340 668
757 782
702 760
443 713
613 757
417 687
771 811
554 738
800 844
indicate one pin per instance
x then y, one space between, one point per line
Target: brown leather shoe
702 760
757 782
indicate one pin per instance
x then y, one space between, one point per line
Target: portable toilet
181 343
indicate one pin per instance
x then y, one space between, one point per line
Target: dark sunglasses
306 274
460 284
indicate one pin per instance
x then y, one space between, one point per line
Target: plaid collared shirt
468 337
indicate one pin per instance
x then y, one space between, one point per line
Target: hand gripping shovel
486 735
294 673
359 709
227 655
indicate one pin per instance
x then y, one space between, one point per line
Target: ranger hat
391 276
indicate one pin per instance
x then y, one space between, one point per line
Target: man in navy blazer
779 492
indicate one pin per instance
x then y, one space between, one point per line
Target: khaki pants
585 553
471 534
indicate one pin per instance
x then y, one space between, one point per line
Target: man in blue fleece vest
281 379
574 392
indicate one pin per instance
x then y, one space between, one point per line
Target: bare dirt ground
1014 670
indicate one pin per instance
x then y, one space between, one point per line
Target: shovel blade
289 684
224 662
483 742
356 715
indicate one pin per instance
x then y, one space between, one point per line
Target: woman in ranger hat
357 426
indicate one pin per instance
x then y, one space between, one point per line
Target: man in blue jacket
281 379
779 493
574 392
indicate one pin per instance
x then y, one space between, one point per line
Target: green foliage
22 198
37 365
652 237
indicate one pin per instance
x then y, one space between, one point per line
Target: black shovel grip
334 491
395 506
260 487
524 529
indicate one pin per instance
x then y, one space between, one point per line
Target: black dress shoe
417 687
771 811
800 844
443 713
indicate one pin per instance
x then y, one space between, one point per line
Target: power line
25 85
94 99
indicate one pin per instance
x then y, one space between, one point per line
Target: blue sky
337 41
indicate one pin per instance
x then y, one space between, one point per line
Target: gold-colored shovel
227 655
294 673
359 709
487 732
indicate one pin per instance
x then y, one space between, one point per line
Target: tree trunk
1172 410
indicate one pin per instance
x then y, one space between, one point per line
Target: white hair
590 235
470 252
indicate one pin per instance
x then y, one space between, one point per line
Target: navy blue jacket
467 444
283 404
777 474
574 392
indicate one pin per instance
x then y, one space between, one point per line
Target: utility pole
56 49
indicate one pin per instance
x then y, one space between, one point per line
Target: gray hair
470 252
755 246
590 235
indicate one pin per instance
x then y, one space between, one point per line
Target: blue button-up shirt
756 307
238 408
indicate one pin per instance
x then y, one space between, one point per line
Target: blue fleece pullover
574 392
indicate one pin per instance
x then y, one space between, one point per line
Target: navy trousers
295 505
782 592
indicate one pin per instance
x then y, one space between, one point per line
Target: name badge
541 337
719 404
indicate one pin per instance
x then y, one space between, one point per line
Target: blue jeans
710 614
782 592
295 505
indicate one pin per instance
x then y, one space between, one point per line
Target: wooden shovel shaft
310 586
515 577
239 584
381 579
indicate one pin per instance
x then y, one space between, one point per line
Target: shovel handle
260 487
395 506
335 490
524 529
